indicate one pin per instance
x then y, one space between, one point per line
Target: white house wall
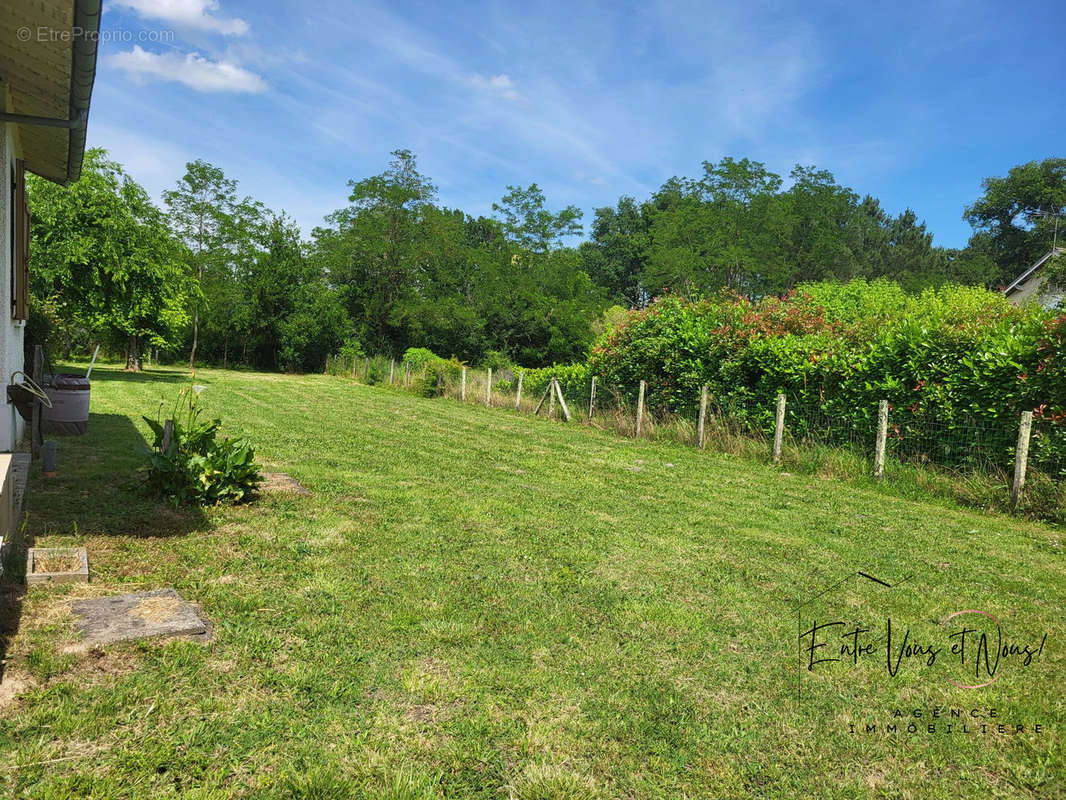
11 331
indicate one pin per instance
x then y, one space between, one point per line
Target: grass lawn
473 603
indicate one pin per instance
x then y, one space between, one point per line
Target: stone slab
161 612
280 482
79 575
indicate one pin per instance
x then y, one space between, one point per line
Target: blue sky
913 104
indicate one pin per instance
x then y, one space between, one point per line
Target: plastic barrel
69 414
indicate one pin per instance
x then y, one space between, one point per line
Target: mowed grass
474 603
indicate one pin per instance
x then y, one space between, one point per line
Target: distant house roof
47 69
1029 273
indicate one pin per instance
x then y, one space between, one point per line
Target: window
20 251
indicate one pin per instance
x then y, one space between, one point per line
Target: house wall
11 331
1034 290
1026 290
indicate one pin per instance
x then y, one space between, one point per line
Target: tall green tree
1008 219
220 232
616 255
374 248
294 320
530 225
103 257
415 274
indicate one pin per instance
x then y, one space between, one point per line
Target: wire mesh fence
956 443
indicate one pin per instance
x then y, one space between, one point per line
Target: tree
104 259
721 230
739 197
827 229
374 248
1008 217
617 254
291 320
219 231
531 226
414 274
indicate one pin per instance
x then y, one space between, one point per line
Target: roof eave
82 77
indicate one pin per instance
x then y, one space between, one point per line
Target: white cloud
192 69
498 85
595 180
196 14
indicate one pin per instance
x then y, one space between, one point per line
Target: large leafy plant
188 463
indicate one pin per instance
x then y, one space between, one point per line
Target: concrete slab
20 471
160 612
280 482
39 570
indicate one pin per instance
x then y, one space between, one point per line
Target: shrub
190 465
423 360
375 373
574 379
351 348
953 360
419 356
496 360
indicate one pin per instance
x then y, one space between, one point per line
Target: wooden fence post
543 397
1021 459
701 426
440 381
562 401
488 389
592 398
551 398
392 369
518 394
406 374
779 428
640 406
462 384
355 364
882 434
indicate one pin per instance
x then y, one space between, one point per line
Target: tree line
214 276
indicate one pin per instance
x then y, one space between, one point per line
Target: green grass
475 603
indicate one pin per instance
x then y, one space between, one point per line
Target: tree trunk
133 355
68 343
195 336
196 319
